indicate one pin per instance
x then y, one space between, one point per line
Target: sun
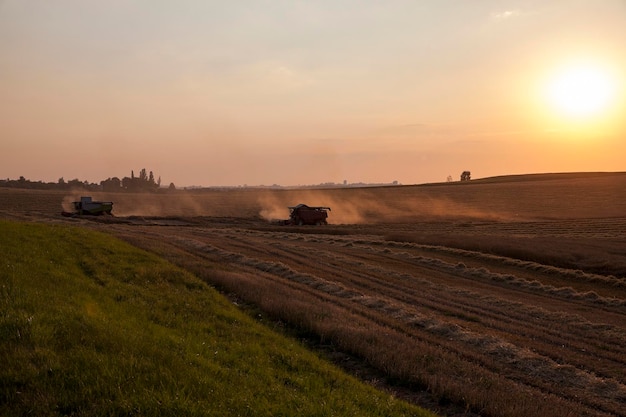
580 91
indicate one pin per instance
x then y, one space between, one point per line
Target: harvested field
501 297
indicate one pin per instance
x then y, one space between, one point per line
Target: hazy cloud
505 14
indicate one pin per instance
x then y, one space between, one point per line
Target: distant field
513 198
504 296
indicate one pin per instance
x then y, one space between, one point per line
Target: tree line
144 182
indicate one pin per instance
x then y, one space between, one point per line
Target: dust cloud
343 211
179 204
348 206
144 204
67 203
373 206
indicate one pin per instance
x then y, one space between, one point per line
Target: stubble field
500 297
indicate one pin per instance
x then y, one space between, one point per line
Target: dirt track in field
477 324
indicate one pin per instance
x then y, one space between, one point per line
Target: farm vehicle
304 215
87 206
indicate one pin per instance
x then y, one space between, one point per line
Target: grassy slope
93 326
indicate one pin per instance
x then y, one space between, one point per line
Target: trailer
305 215
89 207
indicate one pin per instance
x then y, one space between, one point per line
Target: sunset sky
284 92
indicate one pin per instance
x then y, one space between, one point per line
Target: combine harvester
89 207
304 215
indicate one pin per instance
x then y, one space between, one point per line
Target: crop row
495 342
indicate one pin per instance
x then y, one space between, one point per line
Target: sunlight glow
581 91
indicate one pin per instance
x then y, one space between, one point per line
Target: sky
263 92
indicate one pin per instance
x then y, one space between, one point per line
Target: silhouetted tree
145 181
111 184
76 183
466 176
